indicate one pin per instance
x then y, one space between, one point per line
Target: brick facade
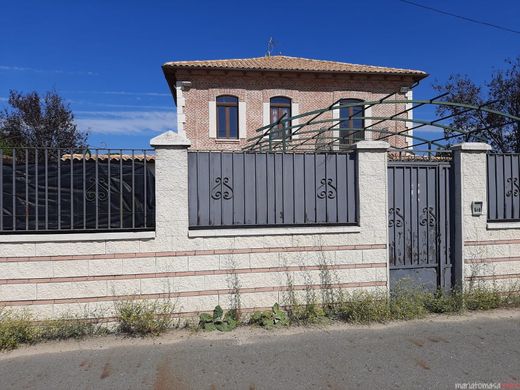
309 91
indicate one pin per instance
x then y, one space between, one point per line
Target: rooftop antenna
270 46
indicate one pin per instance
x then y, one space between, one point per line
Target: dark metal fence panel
503 187
57 190
229 189
419 226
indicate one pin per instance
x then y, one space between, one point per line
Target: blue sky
105 57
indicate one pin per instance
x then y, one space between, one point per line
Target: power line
460 17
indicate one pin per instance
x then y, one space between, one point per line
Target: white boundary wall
491 251
53 275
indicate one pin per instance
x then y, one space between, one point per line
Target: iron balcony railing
71 190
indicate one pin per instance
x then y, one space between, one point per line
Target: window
279 106
351 125
227 117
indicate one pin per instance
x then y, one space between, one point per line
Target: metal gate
419 223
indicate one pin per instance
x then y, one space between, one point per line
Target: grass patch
143 318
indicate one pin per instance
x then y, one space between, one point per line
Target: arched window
227 117
280 105
351 125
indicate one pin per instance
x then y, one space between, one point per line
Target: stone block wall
57 274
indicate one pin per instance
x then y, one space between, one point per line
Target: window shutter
369 135
242 121
295 110
212 119
266 117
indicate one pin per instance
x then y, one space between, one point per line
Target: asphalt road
433 353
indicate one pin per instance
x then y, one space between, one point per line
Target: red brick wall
311 91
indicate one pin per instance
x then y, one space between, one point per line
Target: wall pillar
470 185
373 193
171 185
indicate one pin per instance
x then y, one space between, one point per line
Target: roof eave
172 68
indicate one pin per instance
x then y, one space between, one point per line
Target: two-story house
221 103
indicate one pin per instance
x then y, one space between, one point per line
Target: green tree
31 120
502 93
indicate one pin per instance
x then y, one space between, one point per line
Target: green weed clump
218 320
364 308
68 327
270 318
482 298
16 329
142 318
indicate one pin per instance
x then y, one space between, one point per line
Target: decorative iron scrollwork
515 191
395 217
327 189
102 190
428 217
222 189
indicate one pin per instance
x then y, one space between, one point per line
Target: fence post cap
170 139
472 147
382 146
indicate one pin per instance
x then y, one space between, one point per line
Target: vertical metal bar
59 188
121 188
512 215
418 217
46 189
97 188
84 189
27 189
315 200
14 188
221 198
293 190
256 192
404 213
145 204
274 181
337 208
305 190
394 184
427 216
496 186
37 187
72 189
109 185
243 181
133 189
283 182
266 188
2 192
326 155
440 277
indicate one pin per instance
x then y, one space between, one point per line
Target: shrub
311 313
364 308
270 318
444 302
482 298
141 318
218 321
15 329
407 302
67 327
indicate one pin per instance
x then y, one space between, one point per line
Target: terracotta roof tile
285 63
